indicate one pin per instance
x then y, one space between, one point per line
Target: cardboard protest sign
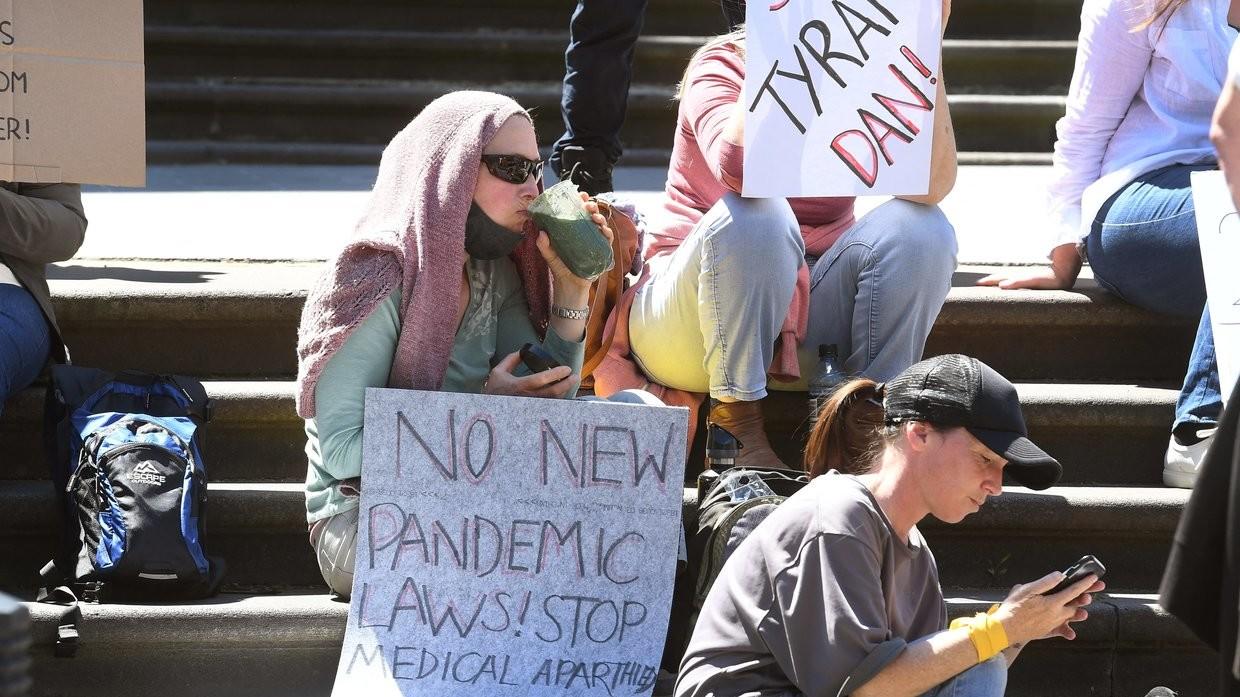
512 546
1218 227
840 96
72 92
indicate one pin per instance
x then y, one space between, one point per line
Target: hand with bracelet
570 294
1028 614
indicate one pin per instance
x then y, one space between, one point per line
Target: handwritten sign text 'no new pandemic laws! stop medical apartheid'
840 96
512 546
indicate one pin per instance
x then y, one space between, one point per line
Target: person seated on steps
1225 125
738 289
443 281
39 224
1137 126
837 592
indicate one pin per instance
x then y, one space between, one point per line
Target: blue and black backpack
125 451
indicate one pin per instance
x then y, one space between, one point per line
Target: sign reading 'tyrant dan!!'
840 96
512 546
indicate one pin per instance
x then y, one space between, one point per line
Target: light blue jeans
24 340
1143 247
987 679
708 318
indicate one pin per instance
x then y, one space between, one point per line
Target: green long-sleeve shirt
496 323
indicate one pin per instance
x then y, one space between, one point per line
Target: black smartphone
1085 566
537 359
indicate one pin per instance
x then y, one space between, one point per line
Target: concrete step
1103 434
663 16
224 152
970 18
1020 534
361 112
304 212
240 320
255 434
289 644
260 530
490 56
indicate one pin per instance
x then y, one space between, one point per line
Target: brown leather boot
744 420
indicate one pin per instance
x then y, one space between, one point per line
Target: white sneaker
1181 462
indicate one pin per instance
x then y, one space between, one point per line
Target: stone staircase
266 81
255 82
236 329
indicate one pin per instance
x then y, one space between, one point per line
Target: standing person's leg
878 290
24 340
707 319
1143 247
598 69
1201 401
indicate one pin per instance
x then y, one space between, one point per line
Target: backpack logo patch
146 473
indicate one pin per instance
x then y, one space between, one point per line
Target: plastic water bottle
743 484
722 451
826 378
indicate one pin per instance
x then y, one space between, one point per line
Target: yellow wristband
986 633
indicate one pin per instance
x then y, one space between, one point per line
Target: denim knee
918 236
917 242
986 679
763 232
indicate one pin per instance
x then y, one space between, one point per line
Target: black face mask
486 239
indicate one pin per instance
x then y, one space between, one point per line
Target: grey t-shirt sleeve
833 634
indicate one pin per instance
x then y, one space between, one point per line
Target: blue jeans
987 679
708 318
1143 247
24 340
878 290
598 69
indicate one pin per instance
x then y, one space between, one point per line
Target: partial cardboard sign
512 546
1218 228
72 92
840 96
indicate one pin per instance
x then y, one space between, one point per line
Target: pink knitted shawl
412 234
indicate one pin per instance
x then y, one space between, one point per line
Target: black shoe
588 168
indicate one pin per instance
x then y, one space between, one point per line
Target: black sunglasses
514 169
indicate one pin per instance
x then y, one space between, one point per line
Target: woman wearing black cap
837 593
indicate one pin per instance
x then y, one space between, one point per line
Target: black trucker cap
956 390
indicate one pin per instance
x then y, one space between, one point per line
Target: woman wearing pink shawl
443 281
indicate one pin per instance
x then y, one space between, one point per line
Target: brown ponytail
848 431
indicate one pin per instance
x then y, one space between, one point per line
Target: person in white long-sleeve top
1225 131
1148 74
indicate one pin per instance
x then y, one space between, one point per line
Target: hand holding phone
1085 566
537 359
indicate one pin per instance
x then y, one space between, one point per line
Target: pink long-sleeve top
705 165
